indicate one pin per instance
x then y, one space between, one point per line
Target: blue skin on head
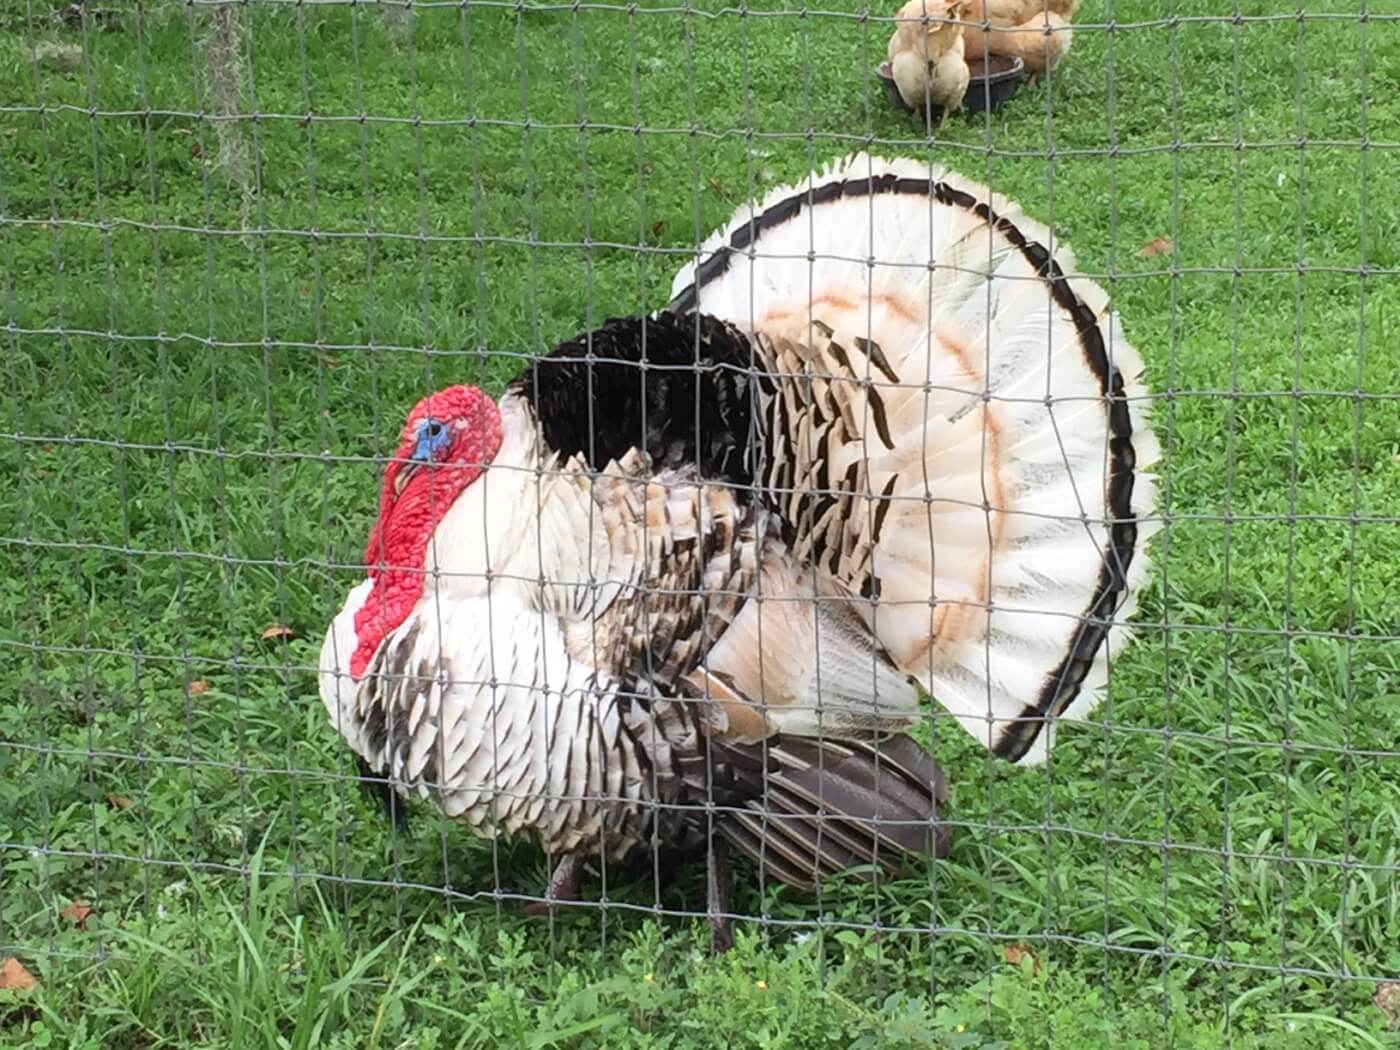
433 438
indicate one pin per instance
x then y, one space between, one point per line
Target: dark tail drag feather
837 836
854 787
829 806
804 849
745 831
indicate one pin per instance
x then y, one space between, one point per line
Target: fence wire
242 239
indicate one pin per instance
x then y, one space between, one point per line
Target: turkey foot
717 897
564 885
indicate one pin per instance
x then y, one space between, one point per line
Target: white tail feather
1006 449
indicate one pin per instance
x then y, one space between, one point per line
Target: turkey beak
405 474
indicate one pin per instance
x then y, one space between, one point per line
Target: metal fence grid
241 240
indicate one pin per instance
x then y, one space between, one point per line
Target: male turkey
879 442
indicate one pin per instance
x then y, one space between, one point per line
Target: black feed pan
992 83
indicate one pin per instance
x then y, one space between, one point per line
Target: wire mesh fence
242 240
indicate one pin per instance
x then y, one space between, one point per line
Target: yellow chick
926 54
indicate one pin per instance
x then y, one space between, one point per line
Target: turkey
684 586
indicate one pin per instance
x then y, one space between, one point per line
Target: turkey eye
434 440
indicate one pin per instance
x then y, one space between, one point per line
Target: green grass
192 388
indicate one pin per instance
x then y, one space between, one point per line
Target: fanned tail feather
993 441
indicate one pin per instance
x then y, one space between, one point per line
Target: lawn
238 243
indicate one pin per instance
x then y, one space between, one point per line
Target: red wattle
398 542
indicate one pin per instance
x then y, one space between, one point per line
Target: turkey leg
717 897
564 885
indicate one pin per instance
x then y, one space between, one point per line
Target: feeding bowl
992 82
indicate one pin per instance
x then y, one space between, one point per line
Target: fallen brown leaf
77 913
198 687
657 227
277 632
1387 1000
1156 246
1016 954
118 801
15 977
